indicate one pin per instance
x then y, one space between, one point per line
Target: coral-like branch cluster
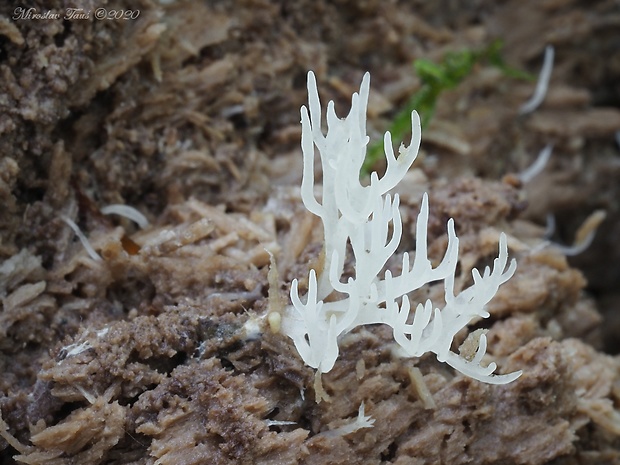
368 218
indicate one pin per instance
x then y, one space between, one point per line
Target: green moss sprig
436 78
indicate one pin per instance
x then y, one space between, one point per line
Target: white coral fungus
369 219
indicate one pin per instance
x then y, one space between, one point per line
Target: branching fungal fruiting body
369 219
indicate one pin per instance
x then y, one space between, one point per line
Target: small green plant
436 78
